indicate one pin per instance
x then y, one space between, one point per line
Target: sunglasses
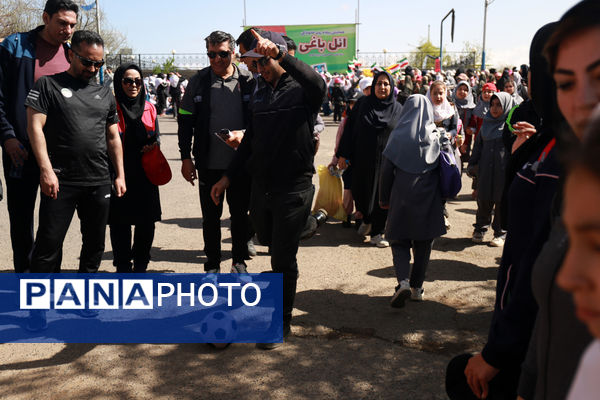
130 81
87 62
221 54
261 61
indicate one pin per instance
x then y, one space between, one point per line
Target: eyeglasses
87 62
130 81
221 54
261 61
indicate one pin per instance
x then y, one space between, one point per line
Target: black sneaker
401 294
87 313
36 321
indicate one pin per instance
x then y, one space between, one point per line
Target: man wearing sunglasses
24 58
278 151
72 126
217 99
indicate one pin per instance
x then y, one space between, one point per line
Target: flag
394 69
89 7
403 63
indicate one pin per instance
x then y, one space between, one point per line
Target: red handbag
156 166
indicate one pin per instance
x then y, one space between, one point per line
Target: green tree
422 51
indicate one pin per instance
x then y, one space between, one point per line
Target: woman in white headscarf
409 188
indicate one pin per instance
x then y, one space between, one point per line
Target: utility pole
357 26
451 12
98 16
486 4
428 33
244 21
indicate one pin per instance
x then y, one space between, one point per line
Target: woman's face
486 95
580 272
509 87
496 108
437 94
577 77
382 87
132 83
462 91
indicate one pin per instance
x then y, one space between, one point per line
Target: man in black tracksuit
278 152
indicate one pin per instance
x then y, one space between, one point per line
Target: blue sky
153 26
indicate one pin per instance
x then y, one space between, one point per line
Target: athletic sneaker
416 294
239 268
477 237
497 241
379 241
364 229
401 295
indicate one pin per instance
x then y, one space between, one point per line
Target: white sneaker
416 294
497 241
379 241
364 229
401 295
447 222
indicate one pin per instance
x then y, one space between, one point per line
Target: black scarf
132 108
378 113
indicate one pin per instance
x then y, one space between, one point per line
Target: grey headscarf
492 127
467 102
414 145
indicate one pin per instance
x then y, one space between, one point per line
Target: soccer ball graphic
218 327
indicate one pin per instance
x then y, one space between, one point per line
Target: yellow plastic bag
330 194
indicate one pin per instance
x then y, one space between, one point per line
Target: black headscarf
132 108
380 113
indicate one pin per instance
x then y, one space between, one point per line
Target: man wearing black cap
278 152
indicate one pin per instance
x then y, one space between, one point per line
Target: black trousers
238 197
483 218
502 387
20 198
401 255
377 219
337 111
92 204
124 252
279 219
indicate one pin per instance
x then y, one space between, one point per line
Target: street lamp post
451 12
487 3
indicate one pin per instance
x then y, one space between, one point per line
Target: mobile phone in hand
224 135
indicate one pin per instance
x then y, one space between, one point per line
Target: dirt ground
347 342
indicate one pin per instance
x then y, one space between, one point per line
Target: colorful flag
394 69
88 7
403 63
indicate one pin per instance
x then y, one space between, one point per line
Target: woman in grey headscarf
409 187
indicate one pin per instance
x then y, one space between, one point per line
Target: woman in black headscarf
365 136
140 206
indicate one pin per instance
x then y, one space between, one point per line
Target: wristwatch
281 52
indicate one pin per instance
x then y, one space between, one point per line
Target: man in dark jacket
217 99
278 152
24 58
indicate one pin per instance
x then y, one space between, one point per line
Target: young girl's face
495 108
437 94
580 272
509 87
462 91
486 95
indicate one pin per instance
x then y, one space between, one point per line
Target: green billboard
325 47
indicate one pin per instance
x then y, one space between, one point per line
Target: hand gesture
188 171
218 189
479 373
265 46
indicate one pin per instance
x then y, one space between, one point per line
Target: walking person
140 205
47 48
365 135
410 191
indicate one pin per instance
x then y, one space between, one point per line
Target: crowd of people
248 133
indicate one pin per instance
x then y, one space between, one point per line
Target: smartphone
224 135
